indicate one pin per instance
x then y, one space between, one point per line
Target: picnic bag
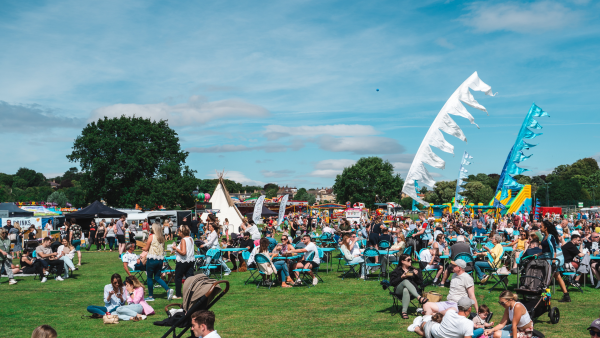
433 297
110 319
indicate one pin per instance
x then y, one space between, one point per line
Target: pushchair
199 293
534 287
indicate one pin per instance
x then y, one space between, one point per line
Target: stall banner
282 209
24 222
39 210
256 215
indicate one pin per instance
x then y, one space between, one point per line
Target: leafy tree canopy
366 180
443 192
131 160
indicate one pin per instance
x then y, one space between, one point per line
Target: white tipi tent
221 201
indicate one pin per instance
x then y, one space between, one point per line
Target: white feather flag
434 137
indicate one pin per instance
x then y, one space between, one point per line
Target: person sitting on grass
522 325
115 295
48 258
137 309
31 265
406 281
203 324
461 285
66 253
455 324
44 331
304 264
131 261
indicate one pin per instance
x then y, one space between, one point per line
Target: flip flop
423 300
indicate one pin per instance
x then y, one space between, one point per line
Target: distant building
287 191
323 194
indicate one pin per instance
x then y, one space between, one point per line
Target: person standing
100 236
121 234
155 249
184 262
49 225
92 236
110 235
75 238
6 256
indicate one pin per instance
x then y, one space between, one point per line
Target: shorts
121 239
443 306
314 265
373 239
77 244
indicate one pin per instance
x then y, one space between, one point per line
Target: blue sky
285 91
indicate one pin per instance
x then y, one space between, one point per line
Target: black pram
535 287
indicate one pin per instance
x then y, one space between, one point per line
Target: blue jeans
153 269
99 310
111 242
479 265
356 260
68 264
127 311
283 267
477 333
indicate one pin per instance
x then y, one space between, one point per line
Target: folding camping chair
261 259
140 275
212 263
468 258
493 269
351 267
253 271
384 259
371 253
303 273
428 274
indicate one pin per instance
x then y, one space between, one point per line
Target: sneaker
420 311
315 281
566 298
143 317
149 299
44 280
226 273
46 273
12 282
575 284
485 279
170 294
362 277
598 285
59 278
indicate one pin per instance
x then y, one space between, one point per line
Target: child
479 322
437 317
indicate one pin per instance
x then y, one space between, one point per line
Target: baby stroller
534 288
199 293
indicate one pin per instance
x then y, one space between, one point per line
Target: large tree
443 192
368 179
477 192
131 160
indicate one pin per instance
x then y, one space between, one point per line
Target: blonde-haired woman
522 325
155 249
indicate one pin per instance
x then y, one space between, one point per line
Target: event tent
221 201
96 210
266 212
14 211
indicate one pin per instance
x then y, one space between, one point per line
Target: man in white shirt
454 325
461 285
131 261
305 263
203 324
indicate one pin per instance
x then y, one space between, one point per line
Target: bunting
462 174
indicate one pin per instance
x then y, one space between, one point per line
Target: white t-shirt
425 256
254 232
311 247
452 326
355 249
459 286
130 259
71 254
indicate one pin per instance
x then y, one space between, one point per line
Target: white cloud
273 132
361 145
597 157
277 173
239 177
444 43
225 148
522 18
196 110
32 118
331 168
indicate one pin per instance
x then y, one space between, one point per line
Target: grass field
334 308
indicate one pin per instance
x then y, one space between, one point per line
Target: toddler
479 322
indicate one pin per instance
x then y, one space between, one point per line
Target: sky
291 92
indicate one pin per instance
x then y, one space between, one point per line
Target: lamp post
547 195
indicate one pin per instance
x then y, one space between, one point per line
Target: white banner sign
24 222
258 210
282 209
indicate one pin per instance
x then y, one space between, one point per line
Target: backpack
76 231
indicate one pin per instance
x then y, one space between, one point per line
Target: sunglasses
594 333
284 239
407 260
502 303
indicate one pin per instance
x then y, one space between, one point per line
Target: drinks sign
3 213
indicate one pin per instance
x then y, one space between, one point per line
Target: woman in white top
212 242
522 325
155 255
65 253
184 262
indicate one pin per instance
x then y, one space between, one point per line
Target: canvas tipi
221 201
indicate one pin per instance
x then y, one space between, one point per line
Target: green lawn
334 308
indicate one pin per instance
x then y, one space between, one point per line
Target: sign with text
3 213
24 222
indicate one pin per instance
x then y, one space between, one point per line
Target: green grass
334 308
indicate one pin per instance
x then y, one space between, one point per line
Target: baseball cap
595 324
464 302
460 263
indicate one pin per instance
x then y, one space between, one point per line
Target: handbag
433 297
110 319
